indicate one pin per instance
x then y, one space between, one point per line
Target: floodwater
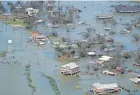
14 82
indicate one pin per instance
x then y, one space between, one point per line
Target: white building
70 69
105 88
31 11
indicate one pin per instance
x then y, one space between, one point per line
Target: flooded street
43 60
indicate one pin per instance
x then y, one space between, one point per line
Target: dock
104 17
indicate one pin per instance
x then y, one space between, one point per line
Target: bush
2 54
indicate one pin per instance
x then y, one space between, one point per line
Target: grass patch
16 22
2 54
2 17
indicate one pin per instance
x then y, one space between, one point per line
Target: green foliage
53 84
2 54
27 69
16 22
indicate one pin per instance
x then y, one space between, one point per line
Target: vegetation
66 60
53 84
27 69
1 7
16 22
2 54
136 37
2 17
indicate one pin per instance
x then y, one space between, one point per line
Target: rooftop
105 86
127 8
105 58
135 79
36 34
91 53
71 65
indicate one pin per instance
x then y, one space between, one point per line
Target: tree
136 37
100 39
1 7
137 58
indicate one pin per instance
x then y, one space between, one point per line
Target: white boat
82 22
70 24
106 28
49 24
53 26
41 43
91 53
127 30
39 21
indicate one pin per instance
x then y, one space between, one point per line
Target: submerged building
70 69
127 9
105 88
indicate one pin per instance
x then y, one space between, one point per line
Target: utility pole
9 55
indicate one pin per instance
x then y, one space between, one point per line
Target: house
35 34
127 9
50 5
19 12
31 11
105 88
70 69
119 69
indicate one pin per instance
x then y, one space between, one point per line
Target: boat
136 64
106 28
122 32
70 24
53 26
127 30
39 21
104 17
82 22
90 89
109 73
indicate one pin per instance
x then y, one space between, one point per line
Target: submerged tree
1 7
136 37
137 57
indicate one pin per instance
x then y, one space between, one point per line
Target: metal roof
71 65
105 86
